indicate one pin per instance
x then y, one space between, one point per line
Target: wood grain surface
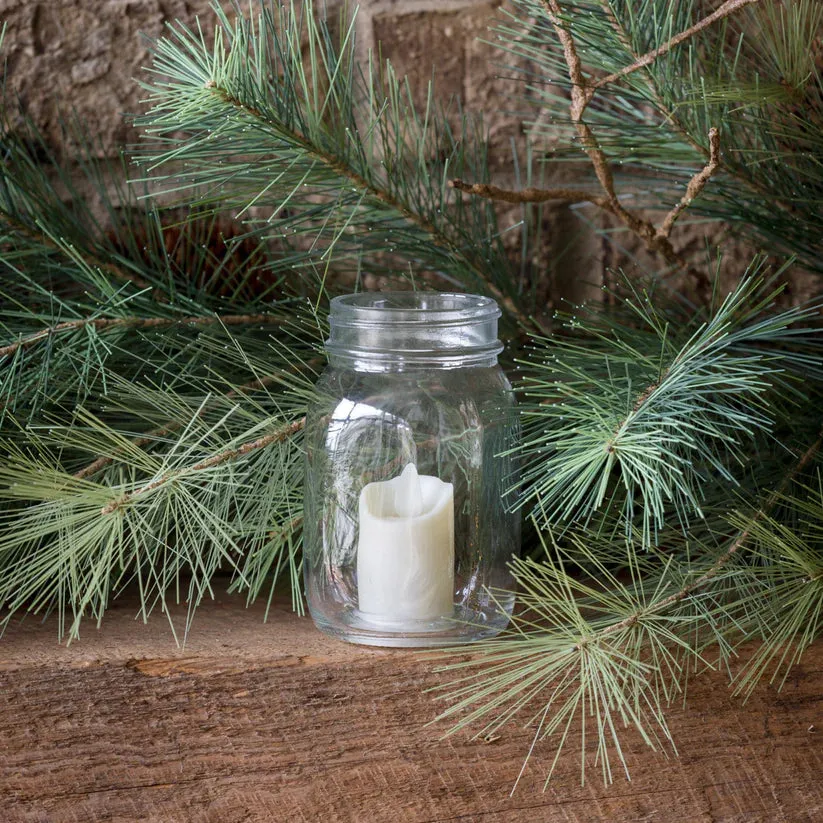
275 722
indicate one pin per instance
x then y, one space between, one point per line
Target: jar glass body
438 414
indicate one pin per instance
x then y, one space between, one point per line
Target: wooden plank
275 722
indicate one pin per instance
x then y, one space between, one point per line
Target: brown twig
288 528
100 323
718 565
208 463
582 91
695 187
530 195
581 95
727 8
671 119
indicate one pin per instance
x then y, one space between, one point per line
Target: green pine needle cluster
334 155
156 359
640 421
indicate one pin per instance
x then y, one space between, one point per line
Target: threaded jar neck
391 331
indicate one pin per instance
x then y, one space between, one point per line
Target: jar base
464 628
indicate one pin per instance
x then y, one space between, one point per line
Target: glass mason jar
410 473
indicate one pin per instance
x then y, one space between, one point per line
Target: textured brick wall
86 54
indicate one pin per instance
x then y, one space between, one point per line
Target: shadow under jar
408 526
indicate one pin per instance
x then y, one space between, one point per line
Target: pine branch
101 323
93 260
668 114
592 643
343 170
581 95
174 426
208 463
152 436
71 319
655 121
284 377
784 574
592 439
59 546
347 154
736 545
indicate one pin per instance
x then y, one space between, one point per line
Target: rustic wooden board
275 722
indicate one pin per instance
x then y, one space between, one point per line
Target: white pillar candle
405 553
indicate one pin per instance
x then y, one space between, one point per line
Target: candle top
406 496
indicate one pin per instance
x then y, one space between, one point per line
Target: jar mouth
424 307
381 330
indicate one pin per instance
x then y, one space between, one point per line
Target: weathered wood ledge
275 722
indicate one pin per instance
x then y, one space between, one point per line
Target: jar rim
424 307
385 331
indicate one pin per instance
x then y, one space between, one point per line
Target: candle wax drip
408 494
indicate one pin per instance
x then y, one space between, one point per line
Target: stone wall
87 55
